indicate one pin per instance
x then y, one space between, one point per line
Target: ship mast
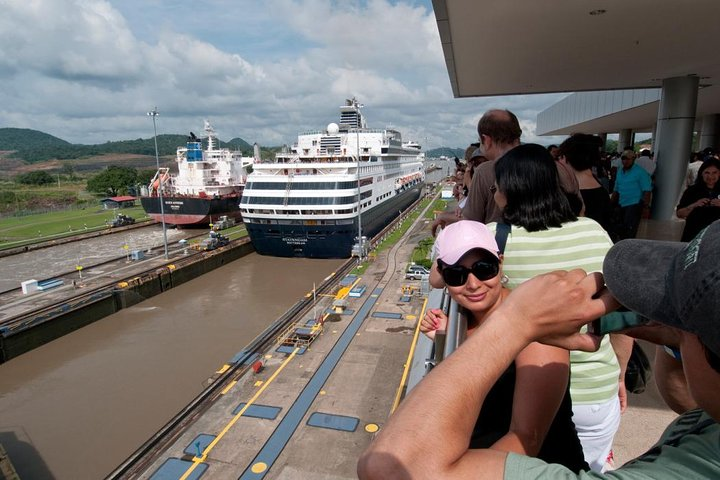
210 135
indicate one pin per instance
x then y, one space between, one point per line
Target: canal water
78 406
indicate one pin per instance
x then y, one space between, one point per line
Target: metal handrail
448 340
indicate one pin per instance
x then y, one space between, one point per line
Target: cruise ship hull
192 211
327 241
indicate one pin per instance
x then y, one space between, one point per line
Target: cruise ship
331 188
208 184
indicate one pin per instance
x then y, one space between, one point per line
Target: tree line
112 181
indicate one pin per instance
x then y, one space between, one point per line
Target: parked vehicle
417 272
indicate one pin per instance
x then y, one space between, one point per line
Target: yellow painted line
343 292
227 389
223 369
408 362
197 461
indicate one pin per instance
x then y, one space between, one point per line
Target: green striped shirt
581 244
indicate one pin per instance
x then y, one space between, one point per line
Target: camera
616 321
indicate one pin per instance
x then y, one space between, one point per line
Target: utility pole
154 114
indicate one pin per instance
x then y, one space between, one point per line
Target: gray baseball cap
674 283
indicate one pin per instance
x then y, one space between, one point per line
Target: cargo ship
209 184
331 188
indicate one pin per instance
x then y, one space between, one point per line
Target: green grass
439 205
398 233
16 199
421 253
16 231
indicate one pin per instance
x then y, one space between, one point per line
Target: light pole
154 114
357 139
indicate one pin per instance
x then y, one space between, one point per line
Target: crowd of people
540 245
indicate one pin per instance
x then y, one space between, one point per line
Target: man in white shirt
646 161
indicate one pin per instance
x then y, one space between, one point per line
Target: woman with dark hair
529 186
582 153
546 235
700 204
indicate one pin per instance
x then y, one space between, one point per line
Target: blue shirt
631 184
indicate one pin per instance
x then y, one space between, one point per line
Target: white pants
596 425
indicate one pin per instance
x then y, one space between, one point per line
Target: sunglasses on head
457 275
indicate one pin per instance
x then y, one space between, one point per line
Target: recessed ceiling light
598 11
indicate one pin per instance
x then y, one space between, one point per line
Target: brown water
78 406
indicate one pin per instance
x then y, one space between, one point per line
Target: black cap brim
636 273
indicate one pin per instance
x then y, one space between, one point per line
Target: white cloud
88 70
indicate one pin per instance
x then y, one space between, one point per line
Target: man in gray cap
675 285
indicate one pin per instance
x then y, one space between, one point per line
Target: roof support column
676 118
710 132
654 136
625 139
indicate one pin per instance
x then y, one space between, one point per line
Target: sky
88 71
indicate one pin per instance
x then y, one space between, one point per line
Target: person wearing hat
529 408
632 191
674 284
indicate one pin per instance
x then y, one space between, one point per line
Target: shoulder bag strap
502 230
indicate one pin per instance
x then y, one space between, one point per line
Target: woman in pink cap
529 410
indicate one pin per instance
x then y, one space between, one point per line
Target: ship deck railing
349 130
322 156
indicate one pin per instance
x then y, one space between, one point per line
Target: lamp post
357 139
154 114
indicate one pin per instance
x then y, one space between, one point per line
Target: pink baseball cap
460 237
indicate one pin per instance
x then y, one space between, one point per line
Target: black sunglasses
457 275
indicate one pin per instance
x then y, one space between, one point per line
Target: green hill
447 152
34 146
17 138
239 144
